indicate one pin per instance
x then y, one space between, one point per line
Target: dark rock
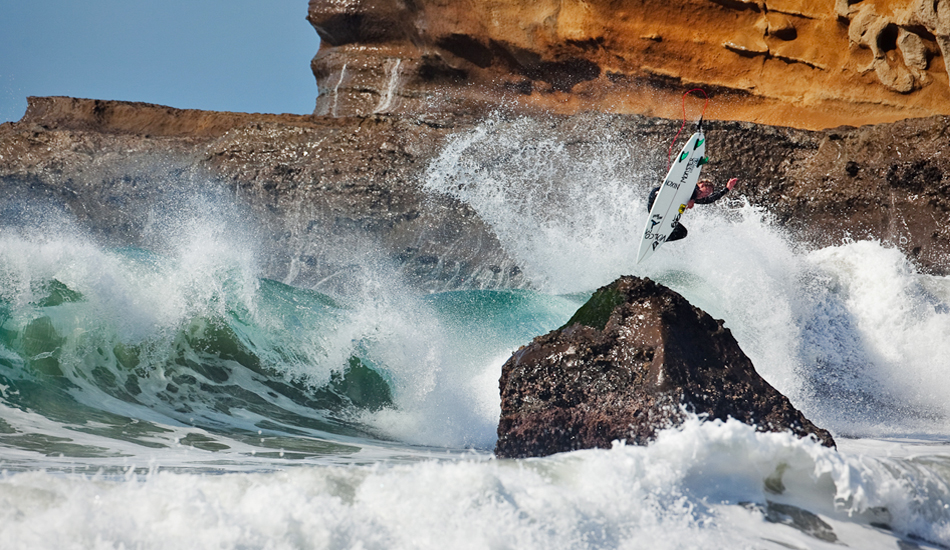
627 365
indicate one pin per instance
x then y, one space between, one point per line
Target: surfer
704 193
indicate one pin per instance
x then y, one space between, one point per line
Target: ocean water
179 397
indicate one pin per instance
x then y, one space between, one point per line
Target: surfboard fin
703 161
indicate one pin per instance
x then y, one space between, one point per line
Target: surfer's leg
678 233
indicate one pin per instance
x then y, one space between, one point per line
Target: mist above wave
852 333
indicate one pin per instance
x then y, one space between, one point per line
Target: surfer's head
704 188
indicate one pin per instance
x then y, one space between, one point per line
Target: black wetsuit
680 231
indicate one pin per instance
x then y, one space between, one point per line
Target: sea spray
812 321
898 320
190 337
464 340
565 218
180 360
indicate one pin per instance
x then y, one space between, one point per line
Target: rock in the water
626 366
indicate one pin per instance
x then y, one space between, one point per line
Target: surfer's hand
732 183
689 204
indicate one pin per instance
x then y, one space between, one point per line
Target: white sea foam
707 485
565 220
446 364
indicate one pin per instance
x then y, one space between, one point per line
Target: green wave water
139 349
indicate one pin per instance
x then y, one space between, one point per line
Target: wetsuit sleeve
713 197
652 198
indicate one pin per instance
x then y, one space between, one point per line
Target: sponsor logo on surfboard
689 170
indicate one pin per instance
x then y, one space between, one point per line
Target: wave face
365 414
135 341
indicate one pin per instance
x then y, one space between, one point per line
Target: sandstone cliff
802 63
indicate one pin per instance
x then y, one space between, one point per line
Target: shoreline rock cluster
312 178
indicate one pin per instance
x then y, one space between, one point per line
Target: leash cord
669 155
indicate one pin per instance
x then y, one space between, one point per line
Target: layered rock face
317 181
626 366
802 63
313 186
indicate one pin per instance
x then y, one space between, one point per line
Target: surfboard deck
674 194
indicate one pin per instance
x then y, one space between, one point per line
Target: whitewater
176 395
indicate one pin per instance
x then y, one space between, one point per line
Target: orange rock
802 63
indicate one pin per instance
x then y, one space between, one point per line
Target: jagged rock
804 63
626 366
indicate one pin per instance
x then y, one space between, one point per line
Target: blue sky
223 55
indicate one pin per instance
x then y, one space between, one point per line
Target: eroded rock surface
626 366
803 63
325 196
321 183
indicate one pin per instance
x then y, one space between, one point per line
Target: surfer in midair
704 193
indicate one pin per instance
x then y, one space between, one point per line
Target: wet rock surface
314 183
311 186
628 364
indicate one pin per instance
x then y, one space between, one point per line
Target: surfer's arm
713 197
652 198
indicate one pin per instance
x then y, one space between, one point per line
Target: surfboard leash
699 125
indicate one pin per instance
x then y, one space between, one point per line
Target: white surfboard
674 194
